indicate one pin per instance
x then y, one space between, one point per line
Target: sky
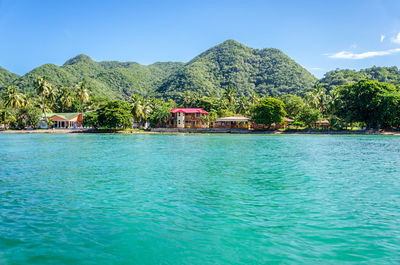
319 35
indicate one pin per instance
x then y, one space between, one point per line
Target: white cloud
383 38
358 56
396 39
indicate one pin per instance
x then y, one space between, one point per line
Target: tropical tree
317 98
42 87
138 108
52 95
13 98
368 101
83 94
308 115
115 114
65 98
269 111
293 105
230 95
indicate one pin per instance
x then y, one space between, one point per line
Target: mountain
339 77
265 71
110 79
6 77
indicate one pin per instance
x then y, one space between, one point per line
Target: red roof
188 110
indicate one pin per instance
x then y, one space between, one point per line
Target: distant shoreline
180 131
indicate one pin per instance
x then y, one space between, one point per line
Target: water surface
199 199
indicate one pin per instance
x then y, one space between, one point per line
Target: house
62 120
232 122
324 124
283 125
188 118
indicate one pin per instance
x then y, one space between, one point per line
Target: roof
65 116
322 122
232 119
288 120
188 110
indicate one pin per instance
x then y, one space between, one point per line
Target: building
324 124
62 120
232 123
188 118
283 125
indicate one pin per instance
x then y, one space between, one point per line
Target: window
197 114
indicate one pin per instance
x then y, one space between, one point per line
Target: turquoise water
199 199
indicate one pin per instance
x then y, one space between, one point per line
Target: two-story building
188 118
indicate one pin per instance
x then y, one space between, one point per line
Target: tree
293 105
317 98
42 88
83 94
160 112
269 111
368 101
14 99
28 116
309 115
230 95
65 99
51 95
91 119
115 114
138 110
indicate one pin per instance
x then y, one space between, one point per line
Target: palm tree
14 99
42 88
83 94
65 98
137 108
242 104
317 98
254 98
52 95
230 95
188 99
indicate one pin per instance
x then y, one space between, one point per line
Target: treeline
366 103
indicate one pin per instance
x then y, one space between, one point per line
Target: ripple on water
195 199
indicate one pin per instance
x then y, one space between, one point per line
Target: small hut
232 123
324 124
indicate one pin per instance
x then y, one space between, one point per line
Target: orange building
66 120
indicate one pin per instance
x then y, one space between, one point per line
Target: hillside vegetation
267 72
247 70
339 77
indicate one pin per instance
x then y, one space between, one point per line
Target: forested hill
110 79
339 77
266 71
6 77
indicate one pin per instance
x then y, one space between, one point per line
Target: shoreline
194 131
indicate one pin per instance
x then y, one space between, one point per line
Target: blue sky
320 35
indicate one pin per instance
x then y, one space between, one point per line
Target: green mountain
6 77
339 77
266 71
110 79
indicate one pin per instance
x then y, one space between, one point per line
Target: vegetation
269 111
267 72
229 79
